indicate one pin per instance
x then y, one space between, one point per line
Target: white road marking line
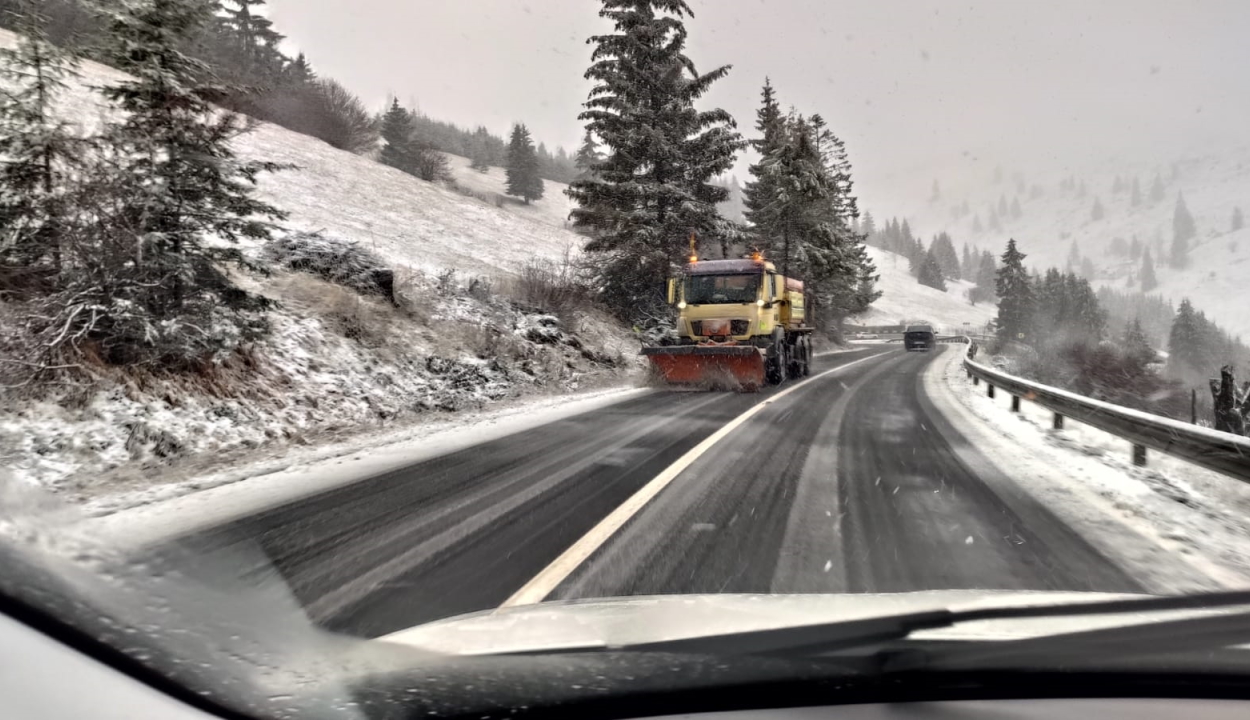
551 576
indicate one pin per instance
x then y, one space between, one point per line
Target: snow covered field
1177 527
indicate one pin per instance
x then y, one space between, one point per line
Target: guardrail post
1058 423
1015 403
976 380
989 389
1139 455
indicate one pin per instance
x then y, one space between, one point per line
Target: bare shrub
324 109
557 288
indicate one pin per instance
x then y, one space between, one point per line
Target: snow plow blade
739 366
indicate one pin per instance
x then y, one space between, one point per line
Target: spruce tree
759 192
251 42
1148 280
966 269
943 250
936 194
179 201
976 224
524 180
38 148
1135 196
1016 212
479 150
588 157
1097 213
1015 297
930 274
1135 249
655 187
1183 230
1239 221
986 278
397 132
1137 345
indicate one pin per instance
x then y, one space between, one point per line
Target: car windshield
339 338
721 289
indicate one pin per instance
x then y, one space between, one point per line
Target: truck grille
736 327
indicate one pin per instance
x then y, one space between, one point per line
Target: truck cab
745 301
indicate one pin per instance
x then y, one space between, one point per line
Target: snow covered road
853 482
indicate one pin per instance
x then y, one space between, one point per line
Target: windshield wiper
845 635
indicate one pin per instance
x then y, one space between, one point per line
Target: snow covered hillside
411 222
492 186
904 300
461 334
1054 216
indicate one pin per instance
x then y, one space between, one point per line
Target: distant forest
242 51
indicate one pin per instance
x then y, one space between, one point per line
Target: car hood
627 621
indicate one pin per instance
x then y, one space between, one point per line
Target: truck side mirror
672 291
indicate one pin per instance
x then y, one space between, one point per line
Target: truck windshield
721 289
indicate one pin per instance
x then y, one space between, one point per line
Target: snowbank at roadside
1178 528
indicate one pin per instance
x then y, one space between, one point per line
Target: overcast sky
913 86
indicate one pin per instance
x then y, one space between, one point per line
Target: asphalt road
851 483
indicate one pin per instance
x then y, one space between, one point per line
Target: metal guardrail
1222 452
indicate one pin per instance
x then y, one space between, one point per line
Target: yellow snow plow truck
739 323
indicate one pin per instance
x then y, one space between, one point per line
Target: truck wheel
807 357
774 370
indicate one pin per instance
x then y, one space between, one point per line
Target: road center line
551 576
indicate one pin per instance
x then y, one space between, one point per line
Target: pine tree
654 188
1136 344
1183 230
930 274
1097 213
1238 220
1015 303
936 194
967 271
1187 343
1135 197
171 205
397 132
251 42
1117 186
986 278
1135 249
524 180
588 157
943 250
869 226
38 148
300 72
758 193
1148 280
1016 212
976 224
479 150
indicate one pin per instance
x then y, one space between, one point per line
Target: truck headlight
681 305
